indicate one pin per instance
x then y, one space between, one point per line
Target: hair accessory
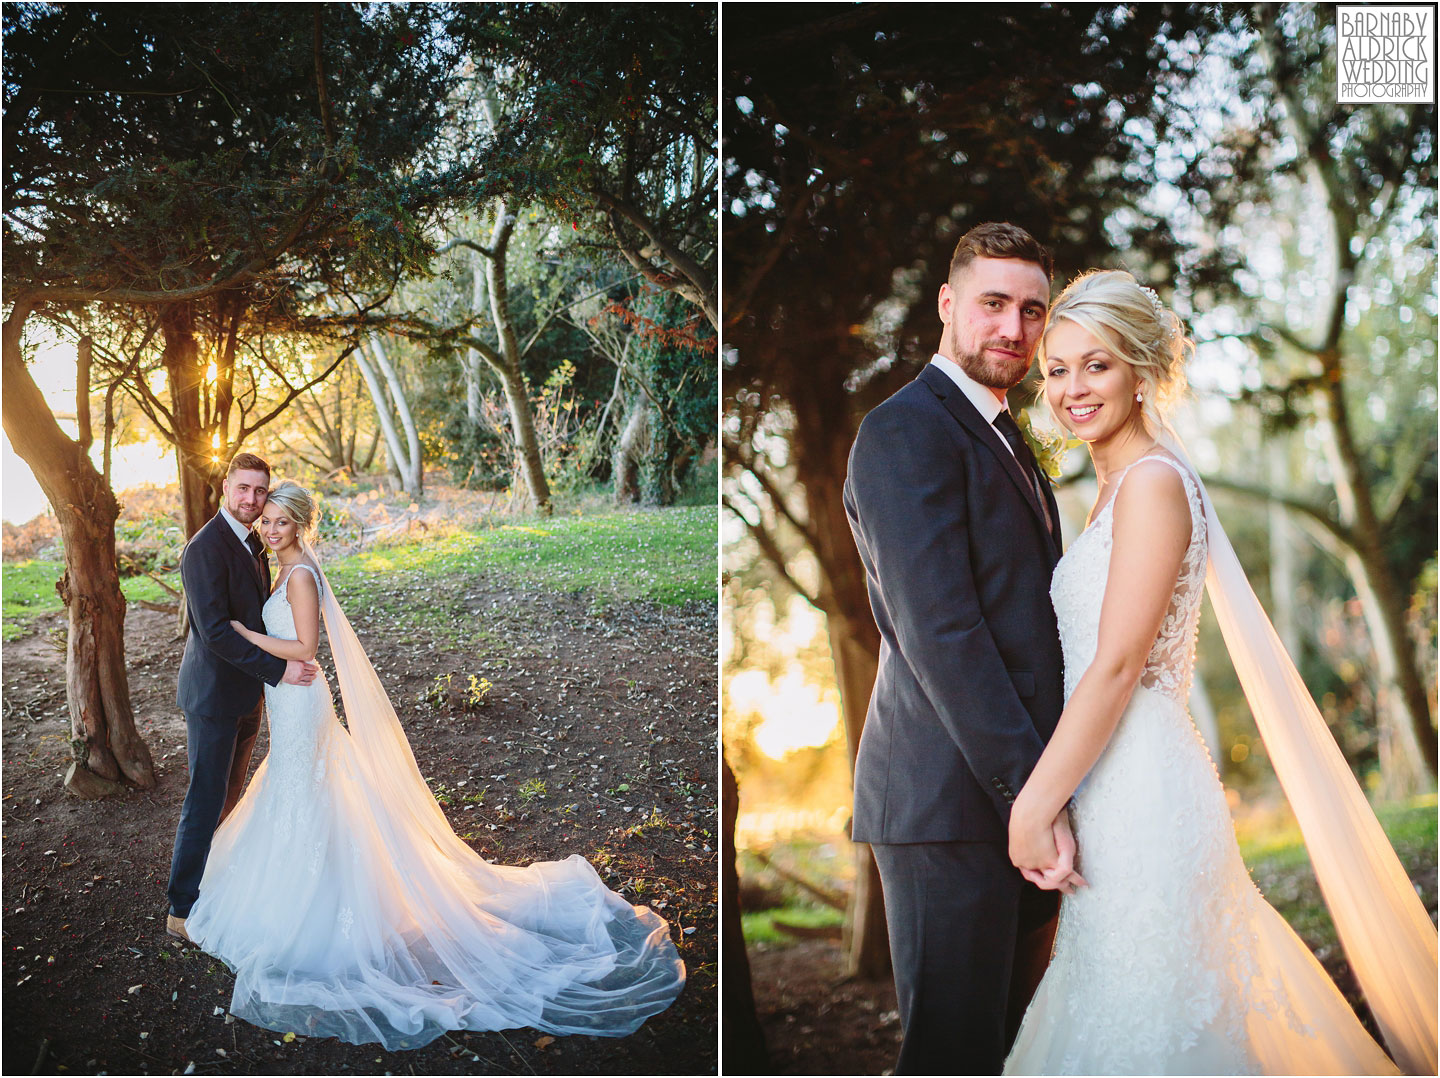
1154 302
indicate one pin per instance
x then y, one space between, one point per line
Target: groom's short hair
1000 239
247 462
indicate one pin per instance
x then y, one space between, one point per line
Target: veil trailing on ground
1381 922
485 946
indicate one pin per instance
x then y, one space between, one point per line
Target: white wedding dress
1170 962
352 910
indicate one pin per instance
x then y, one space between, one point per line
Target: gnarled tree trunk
106 747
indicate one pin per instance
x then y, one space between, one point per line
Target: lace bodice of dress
1079 585
278 616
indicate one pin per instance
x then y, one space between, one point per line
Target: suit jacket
221 672
958 561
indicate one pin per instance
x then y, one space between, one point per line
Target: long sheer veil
1382 924
546 945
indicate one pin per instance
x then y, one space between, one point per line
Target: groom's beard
995 373
246 515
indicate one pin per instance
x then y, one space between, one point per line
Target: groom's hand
298 672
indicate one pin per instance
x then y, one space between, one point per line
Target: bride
346 905
1167 959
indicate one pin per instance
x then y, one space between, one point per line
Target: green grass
28 590
1411 828
663 555
1281 867
666 556
760 927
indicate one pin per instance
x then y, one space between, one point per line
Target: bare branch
1403 475
573 303
773 554
1305 509
750 462
245 431
460 241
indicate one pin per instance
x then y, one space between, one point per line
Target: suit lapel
259 567
1054 508
959 406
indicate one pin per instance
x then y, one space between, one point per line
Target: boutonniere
1049 446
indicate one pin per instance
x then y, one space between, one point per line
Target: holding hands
1044 852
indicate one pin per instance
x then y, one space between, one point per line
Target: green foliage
760 927
221 147
29 593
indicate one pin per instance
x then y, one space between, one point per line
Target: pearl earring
1139 399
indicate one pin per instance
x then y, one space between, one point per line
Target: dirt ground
817 1023
613 711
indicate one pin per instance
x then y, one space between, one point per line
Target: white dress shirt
984 399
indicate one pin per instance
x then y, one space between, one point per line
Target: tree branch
1305 509
245 431
460 241
1403 476
771 549
747 460
702 286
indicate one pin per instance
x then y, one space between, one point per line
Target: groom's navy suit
958 558
219 691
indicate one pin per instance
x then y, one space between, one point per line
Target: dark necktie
1006 425
257 551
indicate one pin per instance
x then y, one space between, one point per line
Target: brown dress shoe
175 926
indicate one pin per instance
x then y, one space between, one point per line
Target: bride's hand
240 628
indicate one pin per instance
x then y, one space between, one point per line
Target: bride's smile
278 531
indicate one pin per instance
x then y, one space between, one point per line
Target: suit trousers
219 755
969 941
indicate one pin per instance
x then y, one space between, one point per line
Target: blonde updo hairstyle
1145 333
296 503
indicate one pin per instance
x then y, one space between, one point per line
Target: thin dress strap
290 572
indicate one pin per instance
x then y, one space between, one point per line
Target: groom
959 533
226 575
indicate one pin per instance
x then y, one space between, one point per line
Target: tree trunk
412 464
472 364
396 455
821 460
1407 734
867 941
625 465
104 741
1407 739
1283 539
522 420
744 1040
196 457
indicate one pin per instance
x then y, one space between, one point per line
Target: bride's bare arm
304 598
1151 530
